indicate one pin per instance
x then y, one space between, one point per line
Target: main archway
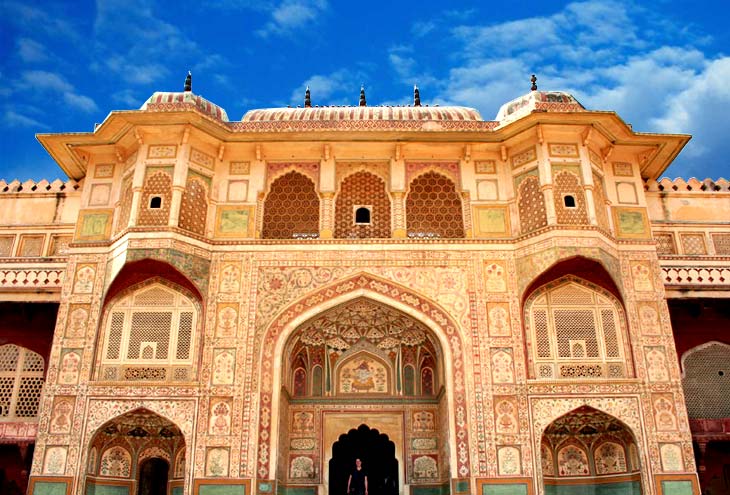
377 454
399 369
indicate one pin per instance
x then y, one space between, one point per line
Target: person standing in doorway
357 483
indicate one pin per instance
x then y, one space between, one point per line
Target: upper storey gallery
362 172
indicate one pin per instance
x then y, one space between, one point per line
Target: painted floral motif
77 322
91 464
84 280
303 422
671 455
425 466
220 419
649 319
664 413
499 320
55 462
641 274
230 279
216 462
227 319
502 367
506 416
223 366
508 461
572 461
495 277
61 415
116 463
68 374
423 421
656 364
301 467
610 458
179 465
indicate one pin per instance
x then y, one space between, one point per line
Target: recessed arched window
569 201
362 215
21 382
155 202
149 335
576 330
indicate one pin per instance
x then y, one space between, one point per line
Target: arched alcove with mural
587 451
364 351
136 453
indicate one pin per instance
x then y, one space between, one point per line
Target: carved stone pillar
399 214
326 215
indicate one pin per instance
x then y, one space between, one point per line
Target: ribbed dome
546 101
162 101
339 113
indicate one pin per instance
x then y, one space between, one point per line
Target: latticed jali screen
21 382
707 382
362 189
291 209
433 208
568 184
531 204
576 333
149 337
158 183
194 207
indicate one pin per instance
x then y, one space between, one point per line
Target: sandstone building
513 306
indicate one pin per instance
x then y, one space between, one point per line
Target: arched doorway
139 450
587 448
377 453
153 476
363 361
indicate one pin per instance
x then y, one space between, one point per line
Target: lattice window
568 184
576 331
125 206
665 243
194 207
362 188
531 205
291 209
21 382
157 184
706 381
722 243
693 243
149 336
433 208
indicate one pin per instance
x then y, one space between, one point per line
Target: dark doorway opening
153 474
377 453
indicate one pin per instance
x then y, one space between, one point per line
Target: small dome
170 102
340 113
545 101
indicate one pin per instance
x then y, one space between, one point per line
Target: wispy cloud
291 15
340 87
13 119
38 82
31 51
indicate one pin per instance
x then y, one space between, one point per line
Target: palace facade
482 307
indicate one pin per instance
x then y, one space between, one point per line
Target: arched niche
128 449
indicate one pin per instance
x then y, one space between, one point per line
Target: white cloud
291 15
12 118
37 83
80 102
31 51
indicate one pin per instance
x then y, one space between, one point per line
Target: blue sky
65 65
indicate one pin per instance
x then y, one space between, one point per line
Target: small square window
362 214
155 202
569 201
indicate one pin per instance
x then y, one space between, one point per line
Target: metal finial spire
416 96
188 82
533 80
307 99
363 103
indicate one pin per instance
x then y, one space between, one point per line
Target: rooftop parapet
43 186
694 185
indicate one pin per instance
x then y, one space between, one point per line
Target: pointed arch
280 219
434 207
270 342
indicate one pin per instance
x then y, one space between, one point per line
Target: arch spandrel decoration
265 346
